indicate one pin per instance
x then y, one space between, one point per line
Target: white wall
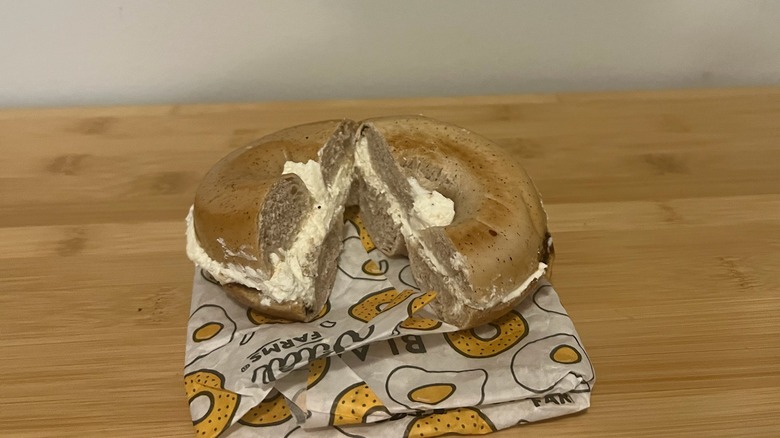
86 52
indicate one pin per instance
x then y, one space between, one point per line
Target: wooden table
665 207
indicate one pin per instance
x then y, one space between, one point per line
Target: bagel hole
455 183
486 332
200 406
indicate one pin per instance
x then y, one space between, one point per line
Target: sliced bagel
266 221
267 218
495 248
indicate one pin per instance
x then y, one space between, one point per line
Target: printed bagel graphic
371 267
354 405
418 323
209 329
211 405
490 339
417 388
272 411
351 215
317 370
461 421
371 305
539 365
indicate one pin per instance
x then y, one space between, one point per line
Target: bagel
267 218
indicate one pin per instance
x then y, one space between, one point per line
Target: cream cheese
519 290
240 253
431 208
311 174
222 272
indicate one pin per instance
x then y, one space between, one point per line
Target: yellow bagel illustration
352 215
371 267
375 303
366 268
421 301
508 330
270 412
355 404
461 421
317 370
215 405
417 323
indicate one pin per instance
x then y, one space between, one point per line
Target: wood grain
665 209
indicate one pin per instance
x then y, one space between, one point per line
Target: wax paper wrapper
377 362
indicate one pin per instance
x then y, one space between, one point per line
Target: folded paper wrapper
376 362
